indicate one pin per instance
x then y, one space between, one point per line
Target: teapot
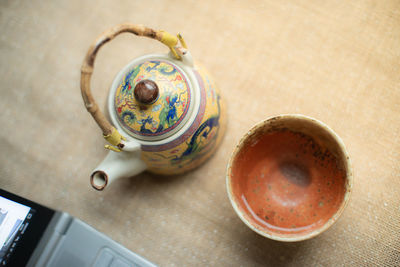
165 113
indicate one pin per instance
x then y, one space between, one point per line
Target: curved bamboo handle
109 132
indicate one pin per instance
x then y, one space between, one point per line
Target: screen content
14 219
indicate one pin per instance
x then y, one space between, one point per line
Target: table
337 61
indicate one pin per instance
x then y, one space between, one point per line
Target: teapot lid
153 99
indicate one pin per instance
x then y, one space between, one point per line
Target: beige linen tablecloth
337 61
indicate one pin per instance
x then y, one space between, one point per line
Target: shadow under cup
289 178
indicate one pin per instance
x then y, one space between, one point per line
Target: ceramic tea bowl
289 178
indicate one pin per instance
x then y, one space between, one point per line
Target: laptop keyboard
108 258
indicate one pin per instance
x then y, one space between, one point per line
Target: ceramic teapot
166 114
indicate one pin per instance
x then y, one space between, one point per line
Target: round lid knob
153 99
146 92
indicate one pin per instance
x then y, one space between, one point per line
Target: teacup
289 178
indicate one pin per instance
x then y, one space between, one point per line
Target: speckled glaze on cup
289 178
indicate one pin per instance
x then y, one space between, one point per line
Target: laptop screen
22 224
14 220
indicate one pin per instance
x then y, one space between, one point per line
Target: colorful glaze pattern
286 183
166 113
199 142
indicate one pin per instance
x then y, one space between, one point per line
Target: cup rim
348 181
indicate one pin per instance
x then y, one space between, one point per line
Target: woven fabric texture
337 61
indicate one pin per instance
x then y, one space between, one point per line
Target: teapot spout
117 165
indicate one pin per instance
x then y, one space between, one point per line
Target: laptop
34 235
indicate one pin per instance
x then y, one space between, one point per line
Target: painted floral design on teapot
199 141
167 115
167 111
